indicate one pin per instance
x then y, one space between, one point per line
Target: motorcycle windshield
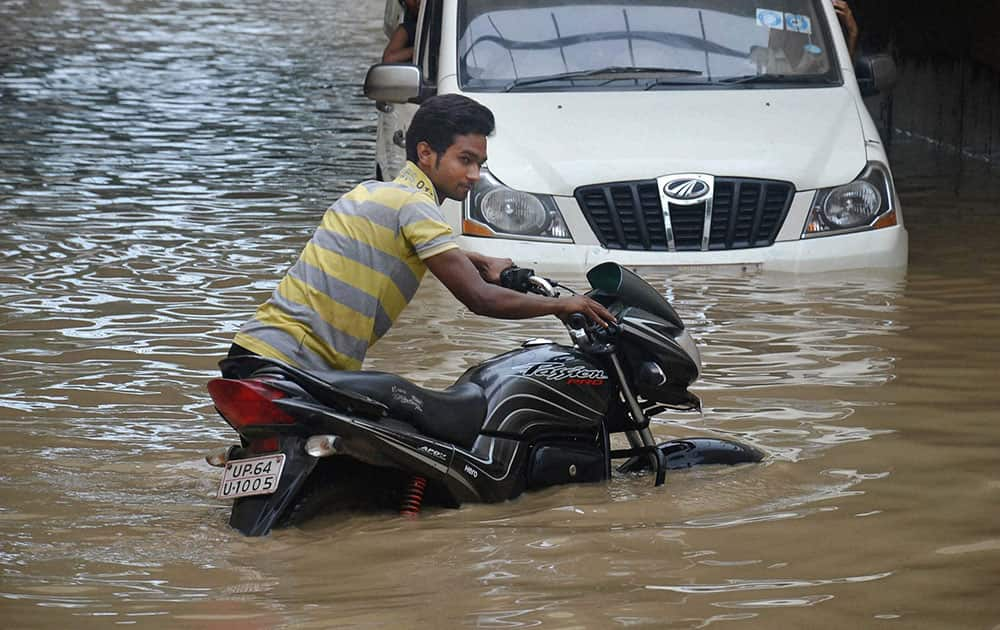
613 280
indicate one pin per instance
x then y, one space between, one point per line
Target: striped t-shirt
356 274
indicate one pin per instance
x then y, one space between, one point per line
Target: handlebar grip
516 278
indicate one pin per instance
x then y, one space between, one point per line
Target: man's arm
455 269
398 49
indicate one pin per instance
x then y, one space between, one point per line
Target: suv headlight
493 209
866 203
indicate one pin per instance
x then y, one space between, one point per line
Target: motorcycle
541 415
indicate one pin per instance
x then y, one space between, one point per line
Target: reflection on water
160 166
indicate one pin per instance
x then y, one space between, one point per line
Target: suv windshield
558 45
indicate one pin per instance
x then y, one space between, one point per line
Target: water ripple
161 165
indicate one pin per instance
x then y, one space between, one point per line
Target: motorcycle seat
454 415
252 366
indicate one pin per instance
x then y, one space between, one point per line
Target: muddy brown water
160 165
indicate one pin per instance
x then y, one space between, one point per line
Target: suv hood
554 142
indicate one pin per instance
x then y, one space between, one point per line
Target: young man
366 259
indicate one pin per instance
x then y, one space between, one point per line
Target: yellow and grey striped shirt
360 269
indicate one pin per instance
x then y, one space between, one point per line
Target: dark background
948 57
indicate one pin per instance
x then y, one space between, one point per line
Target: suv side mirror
875 74
395 83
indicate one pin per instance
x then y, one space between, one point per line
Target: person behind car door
400 46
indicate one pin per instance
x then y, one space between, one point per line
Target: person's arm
398 49
489 268
455 270
848 24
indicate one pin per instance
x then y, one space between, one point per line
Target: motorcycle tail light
247 403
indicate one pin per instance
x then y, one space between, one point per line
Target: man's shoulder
389 194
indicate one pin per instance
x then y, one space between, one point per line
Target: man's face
455 171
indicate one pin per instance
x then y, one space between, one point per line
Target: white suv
658 133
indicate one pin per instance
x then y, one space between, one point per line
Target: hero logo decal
571 375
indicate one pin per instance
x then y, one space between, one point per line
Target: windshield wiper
768 77
615 71
661 82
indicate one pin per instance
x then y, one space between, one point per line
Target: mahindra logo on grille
687 189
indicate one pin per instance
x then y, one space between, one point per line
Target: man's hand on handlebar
516 278
490 268
589 308
521 280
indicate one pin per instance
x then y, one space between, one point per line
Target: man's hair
441 118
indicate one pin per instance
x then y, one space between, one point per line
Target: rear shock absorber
414 497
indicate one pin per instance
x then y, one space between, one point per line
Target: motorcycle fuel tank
542 389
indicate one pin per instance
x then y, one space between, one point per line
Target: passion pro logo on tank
570 374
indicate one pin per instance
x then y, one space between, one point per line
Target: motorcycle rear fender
256 515
392 443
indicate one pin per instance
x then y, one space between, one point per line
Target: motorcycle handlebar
591 336
516 278
583 330
577 321
524 280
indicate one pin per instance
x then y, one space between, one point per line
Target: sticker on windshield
771 19
798 23
813 49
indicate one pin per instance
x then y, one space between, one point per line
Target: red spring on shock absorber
414 497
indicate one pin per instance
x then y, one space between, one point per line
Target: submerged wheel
317 493
343 484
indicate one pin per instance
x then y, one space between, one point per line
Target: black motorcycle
534 417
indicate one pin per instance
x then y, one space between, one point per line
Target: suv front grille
628 215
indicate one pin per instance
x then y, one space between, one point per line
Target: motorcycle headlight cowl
493 209
868 202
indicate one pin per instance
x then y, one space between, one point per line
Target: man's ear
426 156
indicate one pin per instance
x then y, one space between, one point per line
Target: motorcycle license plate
255 475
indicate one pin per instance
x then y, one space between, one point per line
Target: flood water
161 163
